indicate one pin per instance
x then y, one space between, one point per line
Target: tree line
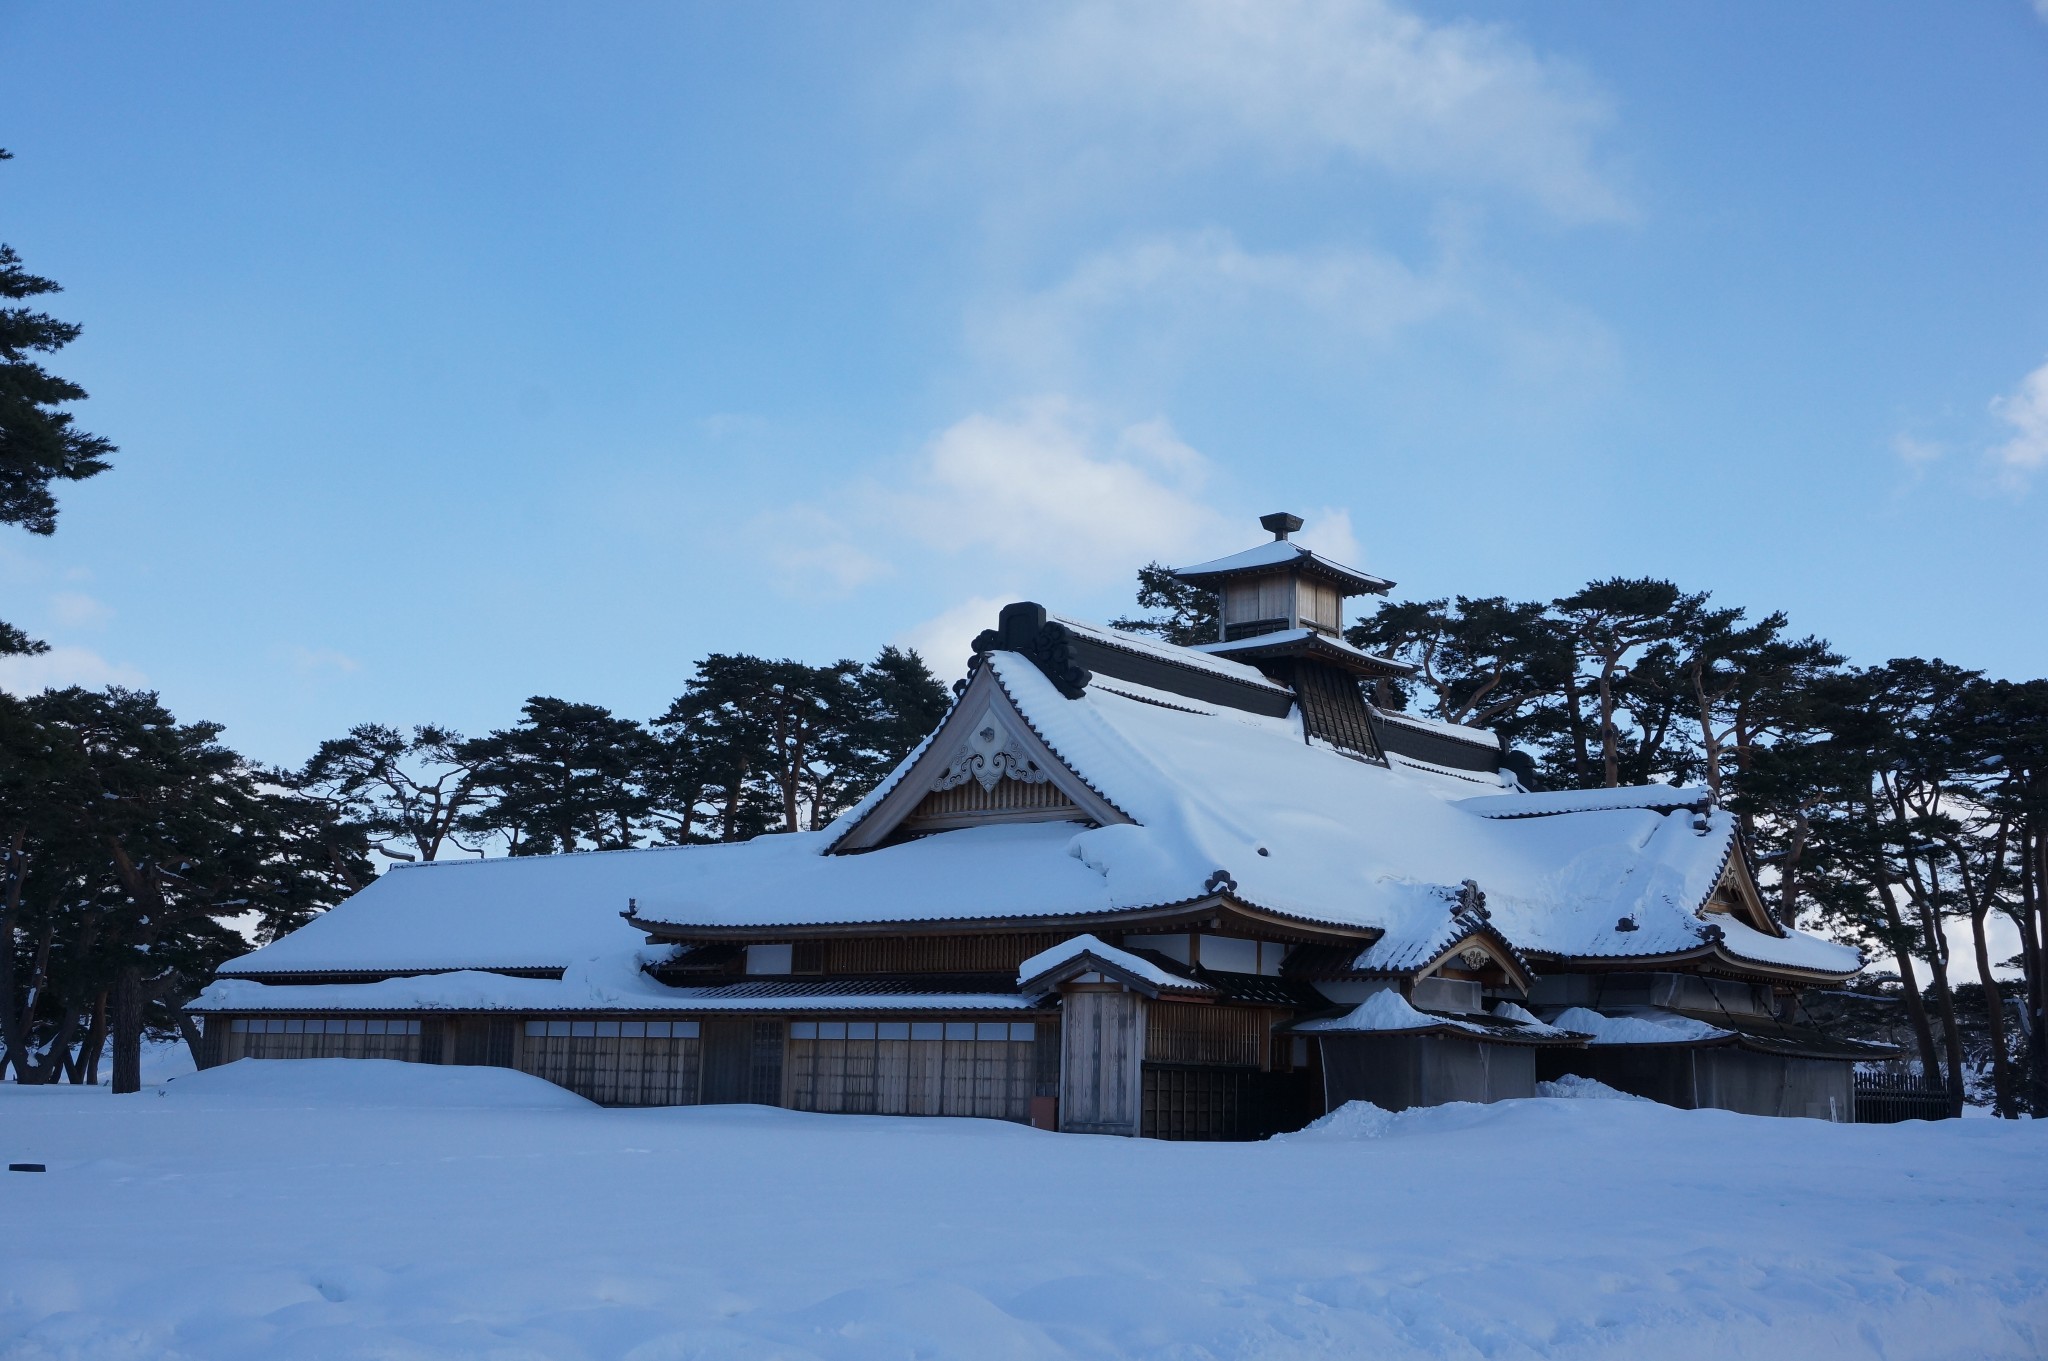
141 853
1884 802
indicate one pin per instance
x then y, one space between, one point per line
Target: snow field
357 1209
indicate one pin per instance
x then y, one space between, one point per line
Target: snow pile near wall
1573 1087
243 1227
357 1084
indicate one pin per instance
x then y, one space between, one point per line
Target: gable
1479 956
984 765
1008 799
1735 895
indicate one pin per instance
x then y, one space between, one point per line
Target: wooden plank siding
1104 1046
1008 801
1194 1032
999 953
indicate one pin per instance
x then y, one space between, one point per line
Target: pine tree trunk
1909 983
95 1041
1952 1033
127 1021
1994 1020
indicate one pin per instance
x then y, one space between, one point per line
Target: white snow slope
349 1208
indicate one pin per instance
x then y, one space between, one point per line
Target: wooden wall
853 955
985 1068
1103 1047
1009 801
1193 1032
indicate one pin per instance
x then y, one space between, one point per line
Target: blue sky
459 353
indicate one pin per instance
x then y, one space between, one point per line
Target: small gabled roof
1288 554
1086 954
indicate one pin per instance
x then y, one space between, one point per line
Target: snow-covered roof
527 912
611 982
1658 796
1089 949
1218 800
1281 552
1656 1028
1388 1011
1332 647
1193 658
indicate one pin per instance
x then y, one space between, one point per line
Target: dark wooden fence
1888 1098
1191 1101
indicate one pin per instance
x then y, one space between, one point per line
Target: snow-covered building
1123 887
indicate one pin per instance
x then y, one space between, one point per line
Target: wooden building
1122 888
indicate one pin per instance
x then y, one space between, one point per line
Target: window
1022 1032
240 1024
1230 954
831 1030
803 1030
608 1029
1173 947
893 1030
959 1030
927 1030
771 959
633 1030
583 1027
991 1030
860 1030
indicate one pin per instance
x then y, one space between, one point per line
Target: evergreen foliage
38 443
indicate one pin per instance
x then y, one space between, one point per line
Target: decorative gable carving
993 768
990 753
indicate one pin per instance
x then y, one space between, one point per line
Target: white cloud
312 661
1051 487
946 639
1328 531
2025 409
1112 91
1180 289
812 551
1048 494
65 665
1916 453
76 609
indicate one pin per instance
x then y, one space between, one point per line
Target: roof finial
1281 523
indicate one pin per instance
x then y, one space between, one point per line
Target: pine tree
407 792
566 778
1193 614
38 444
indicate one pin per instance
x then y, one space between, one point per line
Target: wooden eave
1348 580
1719 962
1207 913
1315 647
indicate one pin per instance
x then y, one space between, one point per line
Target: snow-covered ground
350 1208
